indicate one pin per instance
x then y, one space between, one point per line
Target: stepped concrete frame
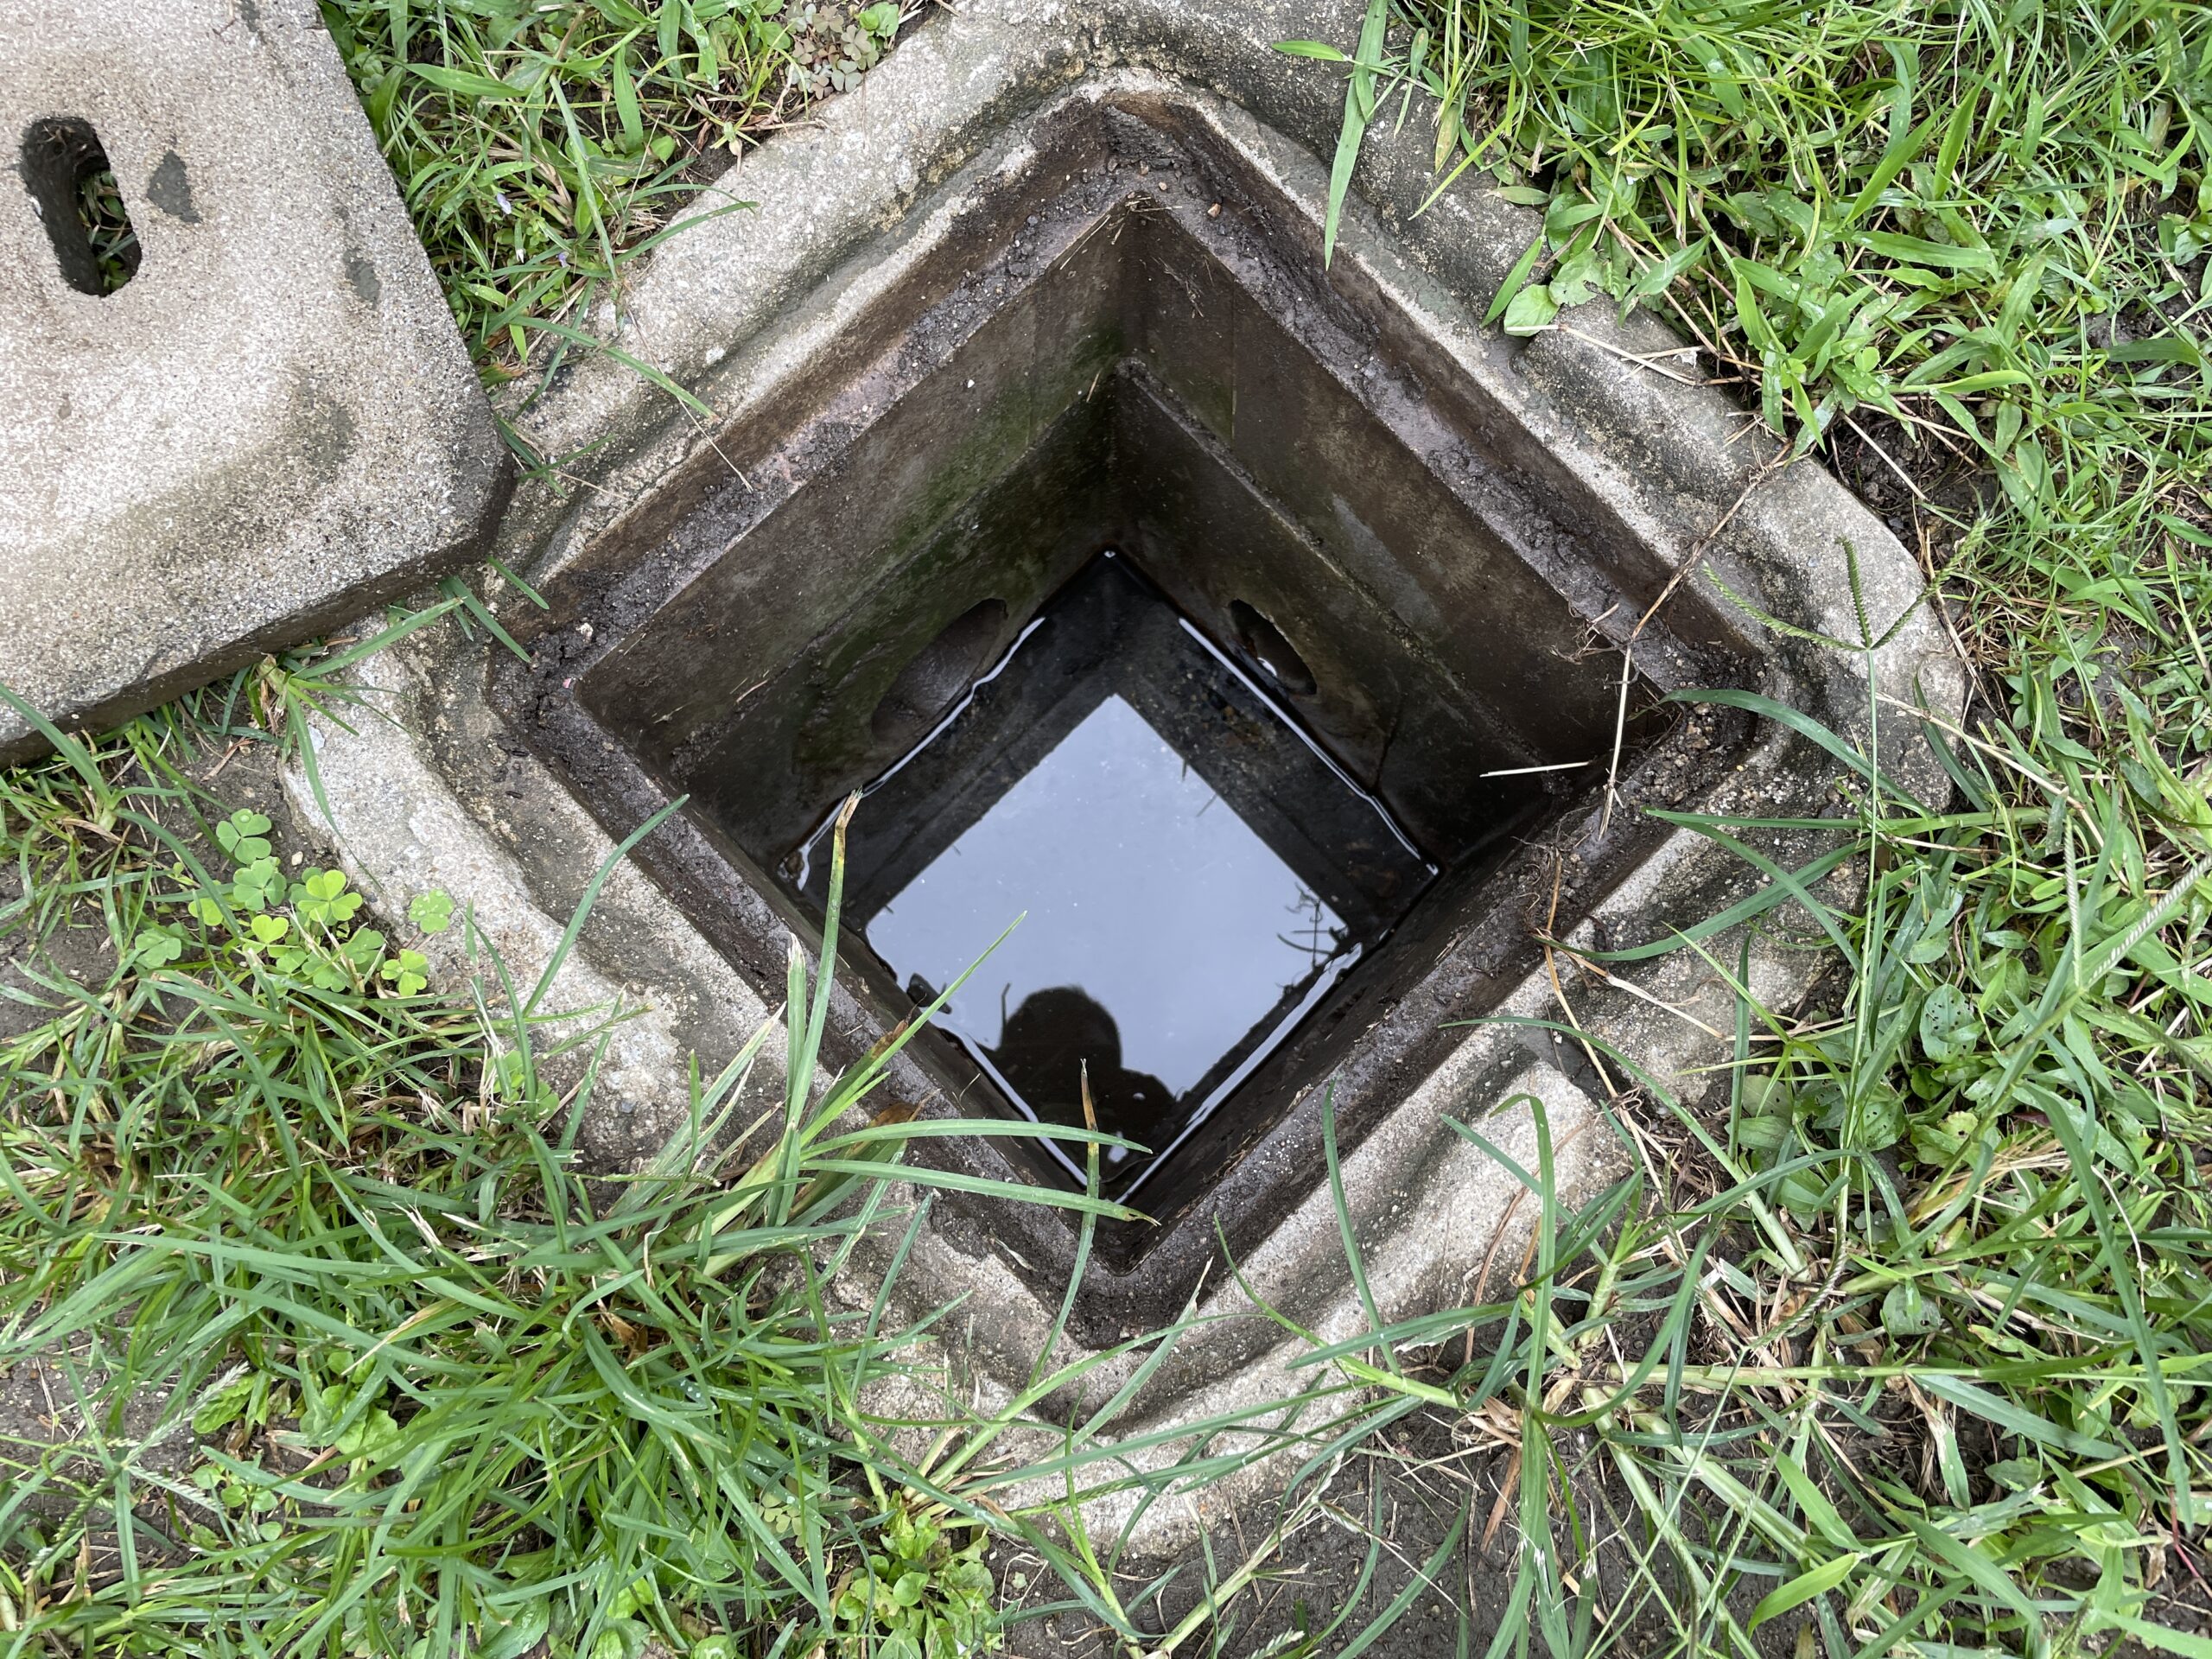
272 426
797 323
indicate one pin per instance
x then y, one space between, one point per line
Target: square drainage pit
1154 590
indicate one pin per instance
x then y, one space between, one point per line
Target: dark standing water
1191 874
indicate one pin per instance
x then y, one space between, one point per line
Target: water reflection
1042 1052
1156 919
1194 875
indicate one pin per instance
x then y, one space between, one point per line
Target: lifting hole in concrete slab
66 169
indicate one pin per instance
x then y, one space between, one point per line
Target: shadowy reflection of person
1042 1049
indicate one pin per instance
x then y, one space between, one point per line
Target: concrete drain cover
1257 628
234 410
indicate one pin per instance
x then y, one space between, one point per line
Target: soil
1423 1477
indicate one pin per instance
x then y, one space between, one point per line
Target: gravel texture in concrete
272 426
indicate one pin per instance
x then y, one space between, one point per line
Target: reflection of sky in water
1141 886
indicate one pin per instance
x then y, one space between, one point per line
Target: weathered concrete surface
746 310
518 852
273 426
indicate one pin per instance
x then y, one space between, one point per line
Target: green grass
1926 1304
1907 1351
541 146
108 230
1964 217
268 1190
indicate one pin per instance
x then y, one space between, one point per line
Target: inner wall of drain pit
1137 396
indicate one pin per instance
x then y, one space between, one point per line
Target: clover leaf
409 972
243 836
321 898
431 912
259 886
156 946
